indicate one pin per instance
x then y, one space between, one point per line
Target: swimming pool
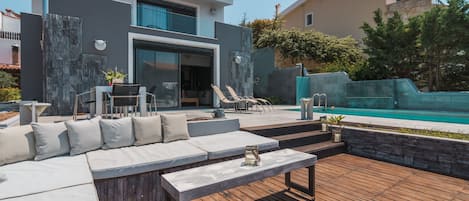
436 116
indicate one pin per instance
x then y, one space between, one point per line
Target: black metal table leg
311 182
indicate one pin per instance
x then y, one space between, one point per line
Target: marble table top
199 181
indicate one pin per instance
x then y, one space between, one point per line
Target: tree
299 45
7 80
391 46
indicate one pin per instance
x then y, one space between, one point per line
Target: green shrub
7 80
9 94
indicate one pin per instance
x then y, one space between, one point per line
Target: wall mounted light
238 59
100 45
213 11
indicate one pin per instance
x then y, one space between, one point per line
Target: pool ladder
319 95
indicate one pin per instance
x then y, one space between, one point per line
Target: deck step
323 149
284 129
302 138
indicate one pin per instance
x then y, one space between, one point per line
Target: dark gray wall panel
103 20
32 78
235 41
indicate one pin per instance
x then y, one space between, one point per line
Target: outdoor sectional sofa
126 173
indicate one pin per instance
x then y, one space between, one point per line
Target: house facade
334 17
175 48
10 32
410 8
344 18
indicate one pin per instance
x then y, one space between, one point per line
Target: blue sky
254 9
17 5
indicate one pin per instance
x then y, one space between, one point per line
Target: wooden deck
348 177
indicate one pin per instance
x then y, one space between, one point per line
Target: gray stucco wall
101 20
32 78
235 41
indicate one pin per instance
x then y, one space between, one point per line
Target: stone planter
440 155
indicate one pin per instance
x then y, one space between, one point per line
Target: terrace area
348 177
342 176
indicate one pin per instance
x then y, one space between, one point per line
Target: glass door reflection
159 72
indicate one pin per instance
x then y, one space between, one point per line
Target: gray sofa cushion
31 177
231 143
147 130
84 135
51 140
16 144
174 127
117 133
139 159
86 192
202 128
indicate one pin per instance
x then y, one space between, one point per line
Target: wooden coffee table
201 181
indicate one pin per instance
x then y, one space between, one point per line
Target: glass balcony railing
160 18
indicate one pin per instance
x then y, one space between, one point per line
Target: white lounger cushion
85 192
231 143
126 161
32 177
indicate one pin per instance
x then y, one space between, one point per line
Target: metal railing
10 35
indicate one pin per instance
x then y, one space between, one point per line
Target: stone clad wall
444 156
409 8
68 70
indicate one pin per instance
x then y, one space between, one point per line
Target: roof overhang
292 7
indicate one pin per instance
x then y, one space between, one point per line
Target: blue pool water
436 116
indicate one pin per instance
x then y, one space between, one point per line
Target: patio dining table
98 94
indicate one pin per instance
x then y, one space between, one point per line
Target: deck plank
348 177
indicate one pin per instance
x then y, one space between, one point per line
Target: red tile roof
9 67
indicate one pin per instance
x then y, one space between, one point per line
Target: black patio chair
124 97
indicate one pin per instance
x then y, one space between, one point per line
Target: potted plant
114 76
335 123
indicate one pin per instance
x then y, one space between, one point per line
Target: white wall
11 24
5 50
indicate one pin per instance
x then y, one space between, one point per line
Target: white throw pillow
51 140
147 130
16 144
174 127
117 133
84 135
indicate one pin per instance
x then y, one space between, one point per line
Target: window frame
312 19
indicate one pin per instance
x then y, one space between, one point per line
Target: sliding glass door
159 72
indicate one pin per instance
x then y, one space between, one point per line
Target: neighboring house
175 48
344 18
10 41
410 8
334 17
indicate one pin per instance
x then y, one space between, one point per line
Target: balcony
10 35
156 17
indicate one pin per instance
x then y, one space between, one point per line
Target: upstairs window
165 15
309 20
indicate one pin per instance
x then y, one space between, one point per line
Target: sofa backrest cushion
210 127
117 133
16 144
84 135
51 140
147 130
174 127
